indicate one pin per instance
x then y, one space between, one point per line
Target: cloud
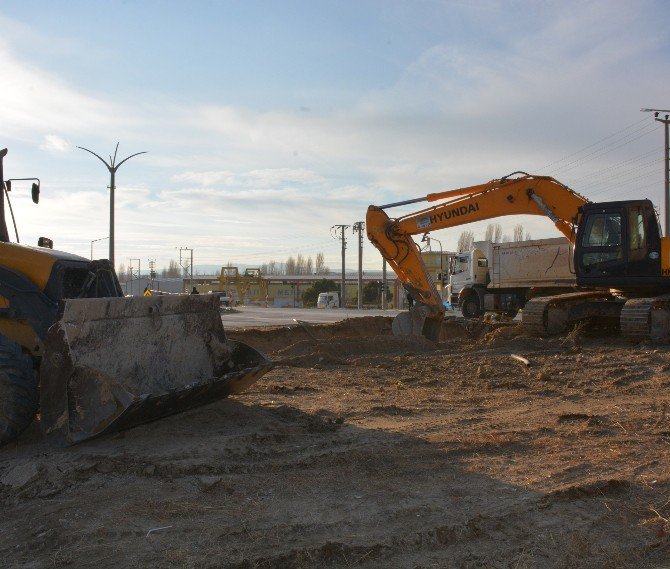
55 144
521 86
208 178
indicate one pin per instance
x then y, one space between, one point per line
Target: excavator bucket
112 363
419 321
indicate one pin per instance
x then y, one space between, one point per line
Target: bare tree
271 268
528 237
300 265
465 240
290 267
173 270
123 276
320 267
518 232
309 265
493 233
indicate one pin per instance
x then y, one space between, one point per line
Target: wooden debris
521 359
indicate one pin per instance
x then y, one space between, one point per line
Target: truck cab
466 270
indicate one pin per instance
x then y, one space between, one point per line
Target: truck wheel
470 307
18 390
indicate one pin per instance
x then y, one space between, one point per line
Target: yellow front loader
92 361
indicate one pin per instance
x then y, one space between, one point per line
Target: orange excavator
621 260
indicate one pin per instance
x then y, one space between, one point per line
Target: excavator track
548 315
646 318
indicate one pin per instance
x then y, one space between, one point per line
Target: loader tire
18 390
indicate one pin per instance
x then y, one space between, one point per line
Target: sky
266 123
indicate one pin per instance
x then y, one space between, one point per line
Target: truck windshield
460 264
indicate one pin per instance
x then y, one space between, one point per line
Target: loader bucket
112 363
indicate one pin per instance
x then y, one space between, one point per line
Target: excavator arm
517 193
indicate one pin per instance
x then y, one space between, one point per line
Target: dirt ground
365 450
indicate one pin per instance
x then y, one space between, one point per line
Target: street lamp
424 239
666 157
93 241
112 166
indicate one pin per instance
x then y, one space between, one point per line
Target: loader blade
112 363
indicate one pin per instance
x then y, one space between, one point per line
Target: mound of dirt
339 351
272 340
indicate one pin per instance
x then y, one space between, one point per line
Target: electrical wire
567 157
600 152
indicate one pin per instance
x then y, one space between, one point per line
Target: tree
372 293
518 232
271 268
320 266
123 276
173 270
311 295
465 240
493 233
290 267
303 266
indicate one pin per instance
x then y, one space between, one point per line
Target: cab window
638 241
603 230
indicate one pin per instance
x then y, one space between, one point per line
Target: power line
620 177
600 152
591 145
609 169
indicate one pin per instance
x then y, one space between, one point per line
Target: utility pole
152 272
188 268
334 230
666 159
139 273
112 167
359 226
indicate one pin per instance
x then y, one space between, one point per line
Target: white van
328 300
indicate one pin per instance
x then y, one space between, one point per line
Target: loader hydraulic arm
518 193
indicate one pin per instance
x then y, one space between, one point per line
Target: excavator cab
618 245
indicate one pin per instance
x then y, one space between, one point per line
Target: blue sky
268 122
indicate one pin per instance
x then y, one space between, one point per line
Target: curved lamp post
112 166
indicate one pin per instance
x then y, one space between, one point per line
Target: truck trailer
502 277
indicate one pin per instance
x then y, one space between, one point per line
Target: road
255 316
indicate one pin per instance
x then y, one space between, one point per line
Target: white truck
502 277
328 300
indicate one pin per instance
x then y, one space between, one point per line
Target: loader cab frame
618 244
5 188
